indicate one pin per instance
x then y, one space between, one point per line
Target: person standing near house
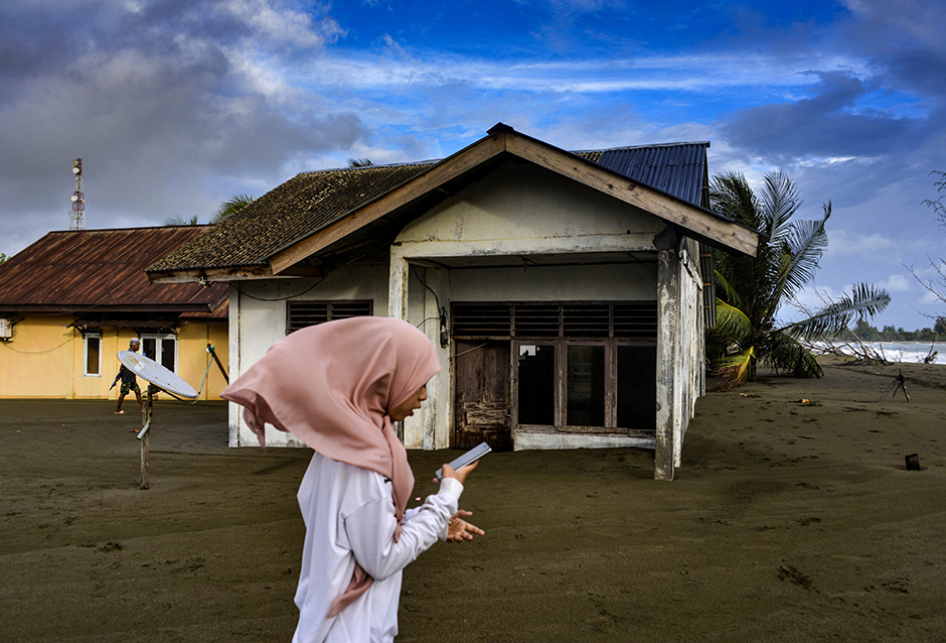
339 387
129 381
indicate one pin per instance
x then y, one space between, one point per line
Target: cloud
827 125
897 283
173 105
678 73
904 37
283 26
846 244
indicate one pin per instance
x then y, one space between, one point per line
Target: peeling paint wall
521 210
585 283
680 367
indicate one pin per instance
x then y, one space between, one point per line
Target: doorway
482 394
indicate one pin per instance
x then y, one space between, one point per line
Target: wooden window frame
634 321
86 336
159 339
561 345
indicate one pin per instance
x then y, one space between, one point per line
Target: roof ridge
132 229
435 161
640 147
371 167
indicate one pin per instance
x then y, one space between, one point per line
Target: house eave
202 275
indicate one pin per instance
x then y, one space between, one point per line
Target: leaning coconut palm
752 290
231 206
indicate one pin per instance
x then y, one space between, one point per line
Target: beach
792 518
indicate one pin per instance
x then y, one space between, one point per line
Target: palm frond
779 202
806 243
772 296
731 195
732 322
179 220
785 354
865 300
733 369
231 206
751 290
729 294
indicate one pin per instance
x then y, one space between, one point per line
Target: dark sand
787 522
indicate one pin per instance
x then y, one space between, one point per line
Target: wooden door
482 394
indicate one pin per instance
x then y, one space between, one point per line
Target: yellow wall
193 358
45 358
39 360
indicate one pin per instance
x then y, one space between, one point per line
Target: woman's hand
460 474
459 530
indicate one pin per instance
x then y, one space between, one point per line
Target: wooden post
146 443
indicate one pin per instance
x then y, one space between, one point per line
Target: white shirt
349 516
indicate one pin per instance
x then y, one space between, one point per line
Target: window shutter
301 314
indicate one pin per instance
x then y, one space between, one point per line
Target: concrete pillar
436 420
234 410
668 285
398 282
398 279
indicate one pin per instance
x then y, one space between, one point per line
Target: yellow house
73 299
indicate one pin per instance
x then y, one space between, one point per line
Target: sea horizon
902 352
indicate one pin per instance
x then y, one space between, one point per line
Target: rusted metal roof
312 200
81 271
221 313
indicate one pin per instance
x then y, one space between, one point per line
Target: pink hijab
331 386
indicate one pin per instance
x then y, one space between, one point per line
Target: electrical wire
48 350
440 309
307 290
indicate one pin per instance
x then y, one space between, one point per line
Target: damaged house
566 292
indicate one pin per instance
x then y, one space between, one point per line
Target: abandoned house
563 290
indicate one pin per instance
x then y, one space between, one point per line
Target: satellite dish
149 370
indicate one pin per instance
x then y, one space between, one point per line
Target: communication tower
77 216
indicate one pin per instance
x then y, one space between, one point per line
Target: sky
177 105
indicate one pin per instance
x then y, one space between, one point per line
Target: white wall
258 320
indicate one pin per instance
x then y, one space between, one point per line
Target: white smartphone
470 456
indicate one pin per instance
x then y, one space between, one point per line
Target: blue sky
176 105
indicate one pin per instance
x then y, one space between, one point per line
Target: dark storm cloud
901 76
173 105
828 124
903 39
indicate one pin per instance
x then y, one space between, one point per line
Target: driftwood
854 352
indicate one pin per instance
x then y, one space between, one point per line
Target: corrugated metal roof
311 200
676 169
102 270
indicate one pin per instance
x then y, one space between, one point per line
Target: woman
339 387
